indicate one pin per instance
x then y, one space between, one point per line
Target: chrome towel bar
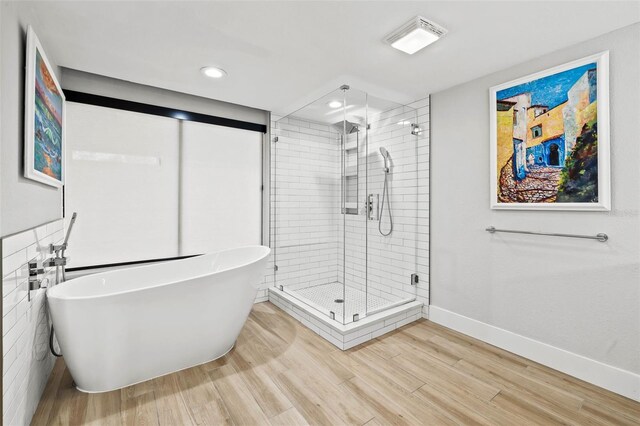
600 237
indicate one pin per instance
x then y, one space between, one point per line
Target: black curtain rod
105 101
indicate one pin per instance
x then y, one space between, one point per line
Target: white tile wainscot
350 335
27 361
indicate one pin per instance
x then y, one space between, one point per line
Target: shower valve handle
372 213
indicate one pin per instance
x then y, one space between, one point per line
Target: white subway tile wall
305 199
27 361
306 224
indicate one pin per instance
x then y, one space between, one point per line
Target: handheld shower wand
66 241
385 156
66 237
385 192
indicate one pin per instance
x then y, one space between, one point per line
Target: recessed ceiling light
404 122
213 72
335 104
416 34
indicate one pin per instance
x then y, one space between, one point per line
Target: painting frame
603 202
34 55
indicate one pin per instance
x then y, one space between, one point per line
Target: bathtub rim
264 255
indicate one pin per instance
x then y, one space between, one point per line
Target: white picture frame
44 140
523 120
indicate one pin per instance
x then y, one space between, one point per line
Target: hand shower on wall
385 193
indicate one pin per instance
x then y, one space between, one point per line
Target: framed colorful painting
550 139
44 118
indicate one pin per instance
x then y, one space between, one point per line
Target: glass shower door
353 226
392 182
306 206
344 225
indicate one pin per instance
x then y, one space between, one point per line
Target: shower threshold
344 303
346 336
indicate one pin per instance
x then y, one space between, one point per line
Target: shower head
385 155
346 126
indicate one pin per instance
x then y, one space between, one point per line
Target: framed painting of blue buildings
44 118
550 139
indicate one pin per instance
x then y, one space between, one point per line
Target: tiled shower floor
355 301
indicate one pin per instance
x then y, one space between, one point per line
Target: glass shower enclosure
344 205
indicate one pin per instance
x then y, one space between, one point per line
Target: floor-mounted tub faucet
60 263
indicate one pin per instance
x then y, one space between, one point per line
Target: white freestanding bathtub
123 327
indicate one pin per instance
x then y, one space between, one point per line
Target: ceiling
281 55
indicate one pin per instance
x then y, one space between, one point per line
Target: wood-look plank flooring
281 373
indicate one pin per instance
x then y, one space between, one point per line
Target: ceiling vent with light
416 34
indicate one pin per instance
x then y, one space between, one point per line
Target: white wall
26 359
25 203
577 295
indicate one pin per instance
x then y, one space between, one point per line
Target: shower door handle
372 212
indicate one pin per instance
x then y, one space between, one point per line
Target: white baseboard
606 376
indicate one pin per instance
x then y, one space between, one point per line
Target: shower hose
385 193
51 335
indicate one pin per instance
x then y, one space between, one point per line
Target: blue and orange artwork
547 139
47 122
